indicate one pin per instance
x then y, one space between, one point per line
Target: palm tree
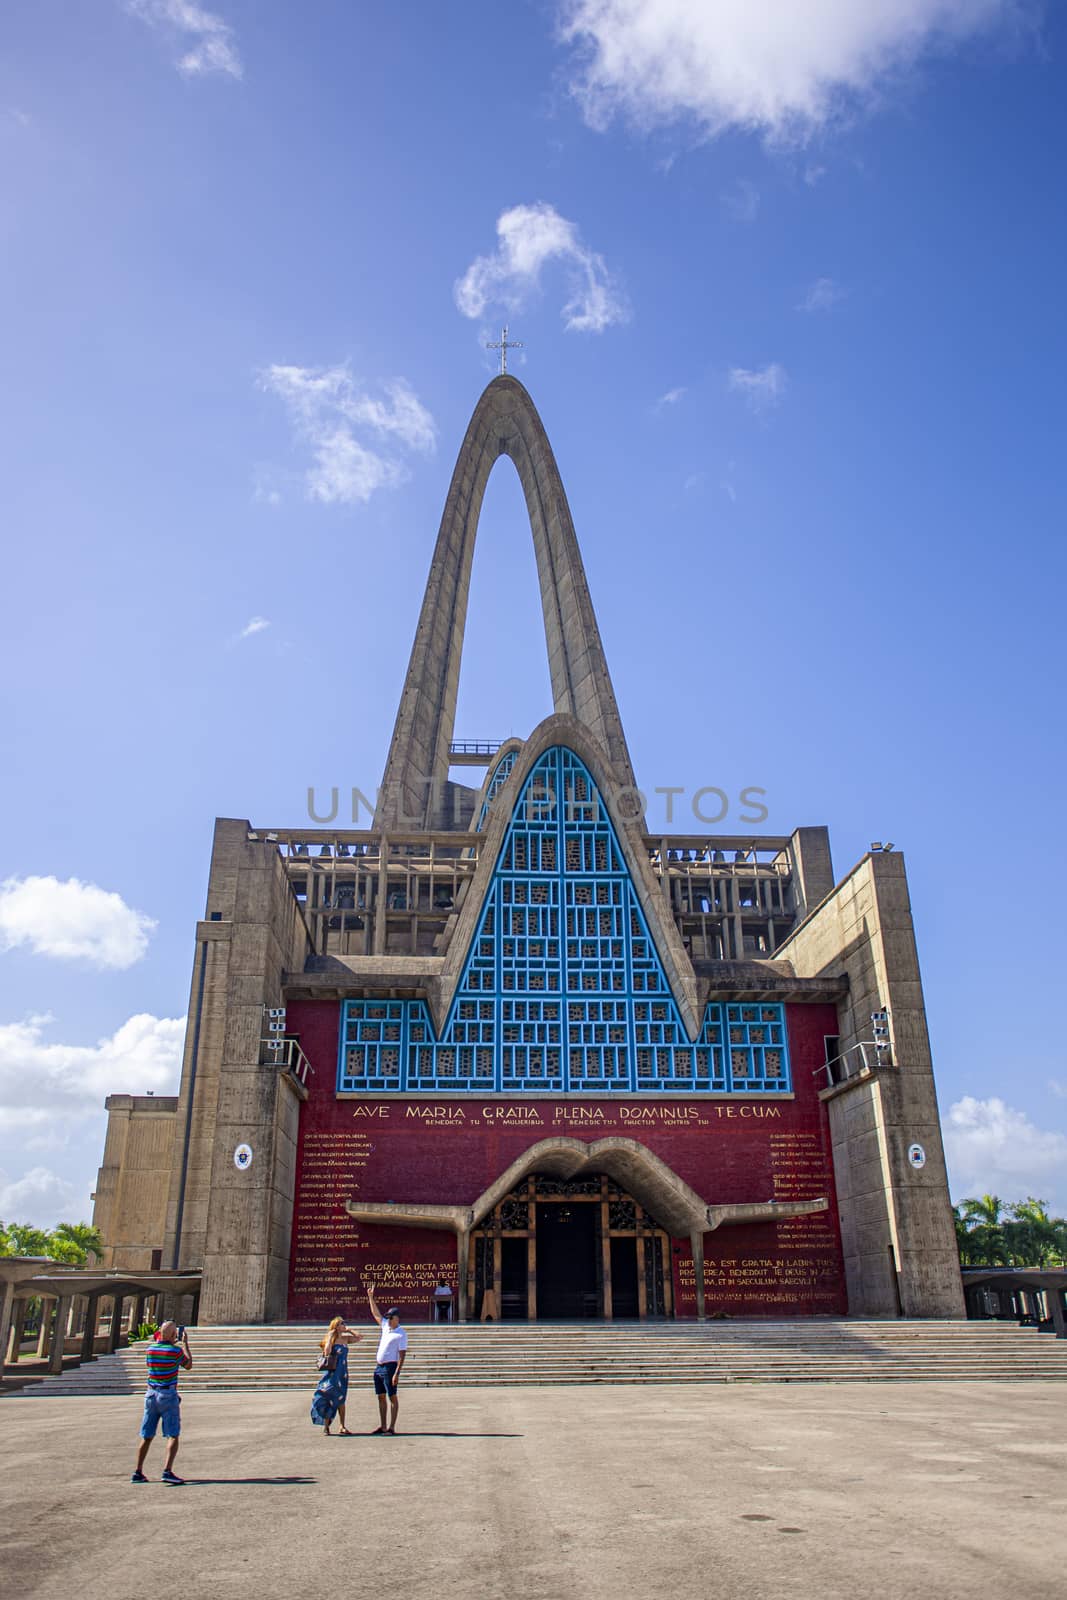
20 1239
72 1241
985 1212
1031 1234
979 1231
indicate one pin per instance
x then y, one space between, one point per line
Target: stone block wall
896 1220
130 1202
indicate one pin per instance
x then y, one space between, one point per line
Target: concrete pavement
898 1490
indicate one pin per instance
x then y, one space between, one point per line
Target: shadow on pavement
414 1433
195 1483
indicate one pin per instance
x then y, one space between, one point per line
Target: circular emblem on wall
242 1157
917 1156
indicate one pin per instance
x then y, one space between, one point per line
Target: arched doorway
556 1249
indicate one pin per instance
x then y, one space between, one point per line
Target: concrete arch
505 422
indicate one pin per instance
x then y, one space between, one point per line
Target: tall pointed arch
505 422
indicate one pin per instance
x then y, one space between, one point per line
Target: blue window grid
501 774
563 989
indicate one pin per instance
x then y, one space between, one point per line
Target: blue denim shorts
385 1378
162 1406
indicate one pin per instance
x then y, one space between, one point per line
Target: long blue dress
332 1390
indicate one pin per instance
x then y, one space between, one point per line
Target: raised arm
375 1311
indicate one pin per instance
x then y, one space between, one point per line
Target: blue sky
792 310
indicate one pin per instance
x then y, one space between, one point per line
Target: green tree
980 1233
20 1239
1030 1234
72 1241
68 1242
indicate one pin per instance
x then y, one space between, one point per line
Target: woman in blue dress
332 1391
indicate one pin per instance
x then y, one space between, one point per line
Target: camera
181 1335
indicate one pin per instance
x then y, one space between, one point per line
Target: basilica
507 1043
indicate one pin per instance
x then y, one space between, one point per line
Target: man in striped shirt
166 1355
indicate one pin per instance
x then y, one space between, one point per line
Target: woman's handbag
328 1360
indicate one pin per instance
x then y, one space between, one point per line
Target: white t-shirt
392 1341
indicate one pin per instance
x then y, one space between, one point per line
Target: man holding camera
166 1356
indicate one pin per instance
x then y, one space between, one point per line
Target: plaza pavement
832 1491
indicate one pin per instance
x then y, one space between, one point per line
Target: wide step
519 1354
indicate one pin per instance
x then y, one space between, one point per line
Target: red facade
732 1149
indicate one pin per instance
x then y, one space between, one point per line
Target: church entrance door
567 1275
558 1249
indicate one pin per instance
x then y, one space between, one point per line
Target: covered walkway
71 1312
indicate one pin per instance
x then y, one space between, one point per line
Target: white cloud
1057 1088
671 398
205 41
328 409
40 1197
741 201
73 921
992 1148
254 625
813 174
762 388
823 295
21 117
45 1085
784 69
529 238
52 1098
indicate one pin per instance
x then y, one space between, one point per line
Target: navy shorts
385 1378
162 1406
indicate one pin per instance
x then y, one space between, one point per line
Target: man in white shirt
392 1348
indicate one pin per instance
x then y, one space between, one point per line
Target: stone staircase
282 1357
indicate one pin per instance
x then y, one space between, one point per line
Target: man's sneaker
138 1477
171 1477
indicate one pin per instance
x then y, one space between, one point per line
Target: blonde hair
332 1334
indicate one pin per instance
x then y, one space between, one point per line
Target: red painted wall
450 1150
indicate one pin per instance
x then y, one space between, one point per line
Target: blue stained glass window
501 774
563 989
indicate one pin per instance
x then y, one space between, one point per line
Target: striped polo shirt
164 1364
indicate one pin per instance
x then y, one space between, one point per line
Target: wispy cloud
823 295
204 40
992 1148
41 1080
253 625
529 237
1057 1088
762 387
671 398
813 174
52 1099
330 410
40 1197
741 201
72 921
784 70
21 117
